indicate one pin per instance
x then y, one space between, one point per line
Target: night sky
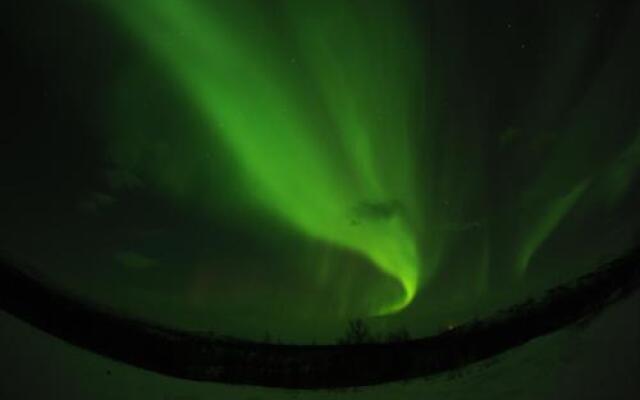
276 168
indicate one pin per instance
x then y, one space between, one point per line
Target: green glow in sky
360 126
322 135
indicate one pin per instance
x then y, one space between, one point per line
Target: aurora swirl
333 111
336 164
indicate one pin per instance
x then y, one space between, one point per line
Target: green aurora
321 135
285 166
316 103
270 169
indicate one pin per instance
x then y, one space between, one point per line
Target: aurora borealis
271 169
335 158
318 105
319 124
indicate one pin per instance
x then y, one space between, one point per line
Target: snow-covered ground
600 360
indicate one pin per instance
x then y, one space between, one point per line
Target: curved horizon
208 357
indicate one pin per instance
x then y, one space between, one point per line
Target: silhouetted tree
357 332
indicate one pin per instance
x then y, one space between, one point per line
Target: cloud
96 201
131 259
123 179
